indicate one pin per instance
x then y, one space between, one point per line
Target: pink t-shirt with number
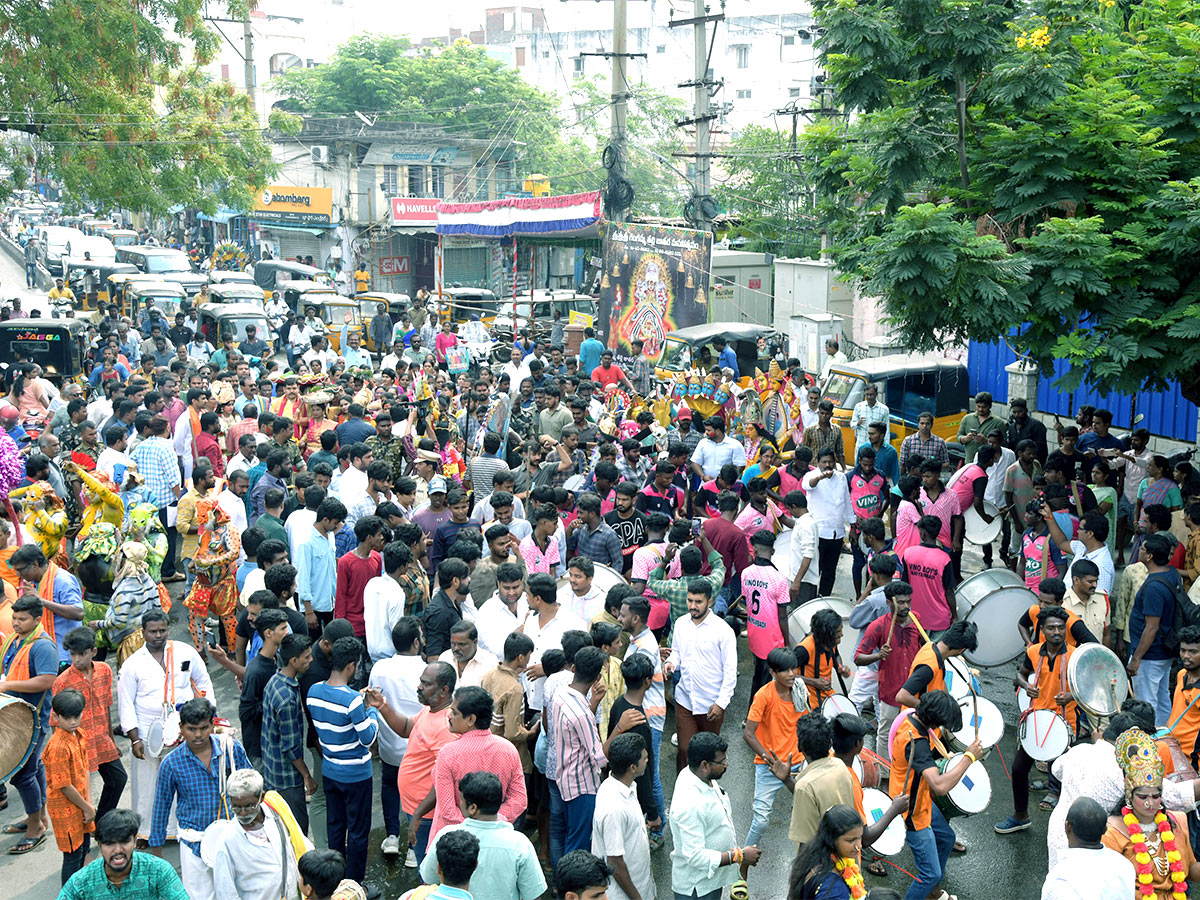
924 569
765 589
646 560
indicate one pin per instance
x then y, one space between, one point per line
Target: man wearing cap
434 514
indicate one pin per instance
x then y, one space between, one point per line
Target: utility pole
248 58
620 96
700 206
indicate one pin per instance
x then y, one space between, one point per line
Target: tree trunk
961 85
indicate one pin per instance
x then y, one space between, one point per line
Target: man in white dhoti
145 696
253 859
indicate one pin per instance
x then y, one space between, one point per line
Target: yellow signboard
294 205
578 318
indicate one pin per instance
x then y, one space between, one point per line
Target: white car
101 249
52 243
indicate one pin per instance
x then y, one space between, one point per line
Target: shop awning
221 216
572 215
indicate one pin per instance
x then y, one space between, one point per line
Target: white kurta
249 864
140 695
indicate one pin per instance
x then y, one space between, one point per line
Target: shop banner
655 281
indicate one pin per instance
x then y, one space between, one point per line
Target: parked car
52 243
173 265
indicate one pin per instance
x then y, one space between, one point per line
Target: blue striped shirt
346 729
192 788
158 464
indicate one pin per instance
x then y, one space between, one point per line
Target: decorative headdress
1137 755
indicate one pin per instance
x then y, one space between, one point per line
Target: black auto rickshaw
59 346
298 294
690 348
269 271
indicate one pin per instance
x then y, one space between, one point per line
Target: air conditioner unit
320 155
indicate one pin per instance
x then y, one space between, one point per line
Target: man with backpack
1154 621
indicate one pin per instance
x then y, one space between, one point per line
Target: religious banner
655 281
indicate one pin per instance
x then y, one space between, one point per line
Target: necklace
853 878
1144 850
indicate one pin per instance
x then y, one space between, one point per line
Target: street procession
728 451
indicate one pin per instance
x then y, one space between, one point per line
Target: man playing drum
1051 593
817 656
915 774
928 672
151 686
1042 675
893 641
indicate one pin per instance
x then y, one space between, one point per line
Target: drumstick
891 627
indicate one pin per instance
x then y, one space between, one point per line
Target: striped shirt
945 507
159 466
346 729
932 449
537 561
655 702
580 753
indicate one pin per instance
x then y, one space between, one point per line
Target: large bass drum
17 730
1097 679
800 627
994 600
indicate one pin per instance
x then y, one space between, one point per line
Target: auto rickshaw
691 348
227 276
909 384
268 272
118 288
368 307
122 237
59 346
332 309
458 304
104 289
166 296
220 319
294 292
237 292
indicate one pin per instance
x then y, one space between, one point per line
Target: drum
17 734
213 839
989 718
959 680
1023 700
1044 734
799 628
976 530
163 734
871 768
837 703
875 804
1097 680
994 600
971 795
783 548
1181 766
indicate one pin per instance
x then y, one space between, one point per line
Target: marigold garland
1142 860
854 880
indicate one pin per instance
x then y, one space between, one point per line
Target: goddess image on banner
655 281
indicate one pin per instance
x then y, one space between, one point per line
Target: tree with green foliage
119 112
1029 170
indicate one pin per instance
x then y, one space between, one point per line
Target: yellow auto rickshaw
237 292
104 289
218 320
293 293
118 288
165 296
332 309
909 384
368 306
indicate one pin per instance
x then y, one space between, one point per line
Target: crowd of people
515 587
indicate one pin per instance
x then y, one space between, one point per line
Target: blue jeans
348 822
580 813
558 824
389 798
656 767
727 595
31 274
1152 683
422 843
30 779
930 848
766 786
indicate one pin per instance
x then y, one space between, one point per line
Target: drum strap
1170 728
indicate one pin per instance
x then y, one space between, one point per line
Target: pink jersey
765 590
866 494
964 487
646 560
789 483
1039 559
751 521
924 569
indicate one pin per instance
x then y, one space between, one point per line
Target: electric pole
620 96
700 208
248 58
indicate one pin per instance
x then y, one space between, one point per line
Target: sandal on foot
959 847
15 828
877 868
739 890
26 844
1048 802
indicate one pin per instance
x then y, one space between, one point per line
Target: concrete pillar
1023 381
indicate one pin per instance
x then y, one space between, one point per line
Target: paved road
1011 867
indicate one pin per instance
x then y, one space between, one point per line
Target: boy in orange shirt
67 795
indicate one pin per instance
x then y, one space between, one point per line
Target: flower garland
1145 874
854 880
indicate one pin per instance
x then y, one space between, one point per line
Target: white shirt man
866 414
829 503
115 464
181 439
140 688
711 455
1084 873
619 829
299 526
383 606
804 546
705 655
398 677
516 374
544 638
239 462
471 673
495 621
993 492
235 508
248 862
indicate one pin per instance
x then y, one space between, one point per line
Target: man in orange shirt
928 671
770 732
817 657
1184 722
94 680
915 774
848 732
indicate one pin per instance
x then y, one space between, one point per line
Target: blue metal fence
1167 413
